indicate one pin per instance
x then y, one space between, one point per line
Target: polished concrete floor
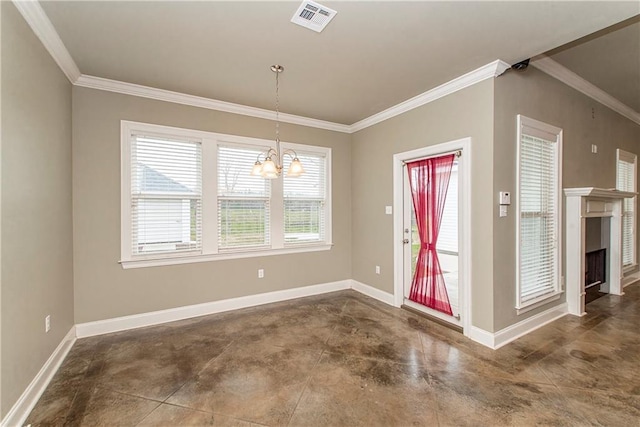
343 359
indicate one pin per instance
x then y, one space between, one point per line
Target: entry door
447 247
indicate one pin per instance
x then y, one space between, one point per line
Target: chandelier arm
263 154
291 153
270 152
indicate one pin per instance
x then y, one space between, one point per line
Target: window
539 209
626 181
448 234
304 201
188 196
243 200
166 195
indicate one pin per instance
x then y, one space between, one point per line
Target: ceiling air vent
313 15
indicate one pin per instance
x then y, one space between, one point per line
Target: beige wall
467 113
36 268
584 122
104 290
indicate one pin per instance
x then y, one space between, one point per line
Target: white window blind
626 181
166 195
304 201
243 200
538 192
448 235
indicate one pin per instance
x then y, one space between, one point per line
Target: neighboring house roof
154 181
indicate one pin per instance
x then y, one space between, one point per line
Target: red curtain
429 179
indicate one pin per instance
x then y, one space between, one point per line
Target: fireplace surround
583 203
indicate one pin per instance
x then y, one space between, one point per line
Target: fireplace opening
595 274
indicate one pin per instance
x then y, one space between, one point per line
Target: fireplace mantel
597 193
583 203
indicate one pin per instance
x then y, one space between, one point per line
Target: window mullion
126 232
277 213
209 197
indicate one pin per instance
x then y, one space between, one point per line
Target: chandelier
271 166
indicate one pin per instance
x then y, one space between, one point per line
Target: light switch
388 210
503 210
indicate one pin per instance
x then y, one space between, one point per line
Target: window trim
629 157
540 129
210 251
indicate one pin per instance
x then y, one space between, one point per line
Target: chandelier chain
274 157
277 106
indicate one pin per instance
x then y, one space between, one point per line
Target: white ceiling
372 56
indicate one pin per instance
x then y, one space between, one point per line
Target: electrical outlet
47 323
260 273
377 269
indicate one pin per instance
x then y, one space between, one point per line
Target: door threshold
433 318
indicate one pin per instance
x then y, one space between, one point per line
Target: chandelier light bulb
295 168
257 169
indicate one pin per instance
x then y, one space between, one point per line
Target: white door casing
464 230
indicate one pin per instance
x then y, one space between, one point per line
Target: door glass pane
448 249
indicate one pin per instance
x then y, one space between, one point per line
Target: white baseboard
530 324
372 292
106 326
480 336
504 336
19 412
179 313
22 408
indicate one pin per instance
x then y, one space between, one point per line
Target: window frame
268 198
628 157
302 152
543 130
161 197
209 250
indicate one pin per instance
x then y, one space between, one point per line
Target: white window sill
629 268
157 262
539 303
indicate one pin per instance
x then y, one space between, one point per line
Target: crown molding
44 30
568 77
491 70
198 101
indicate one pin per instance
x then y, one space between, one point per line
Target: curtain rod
457 153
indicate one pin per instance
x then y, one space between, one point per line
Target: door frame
464 232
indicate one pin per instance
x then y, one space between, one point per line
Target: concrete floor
345 359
